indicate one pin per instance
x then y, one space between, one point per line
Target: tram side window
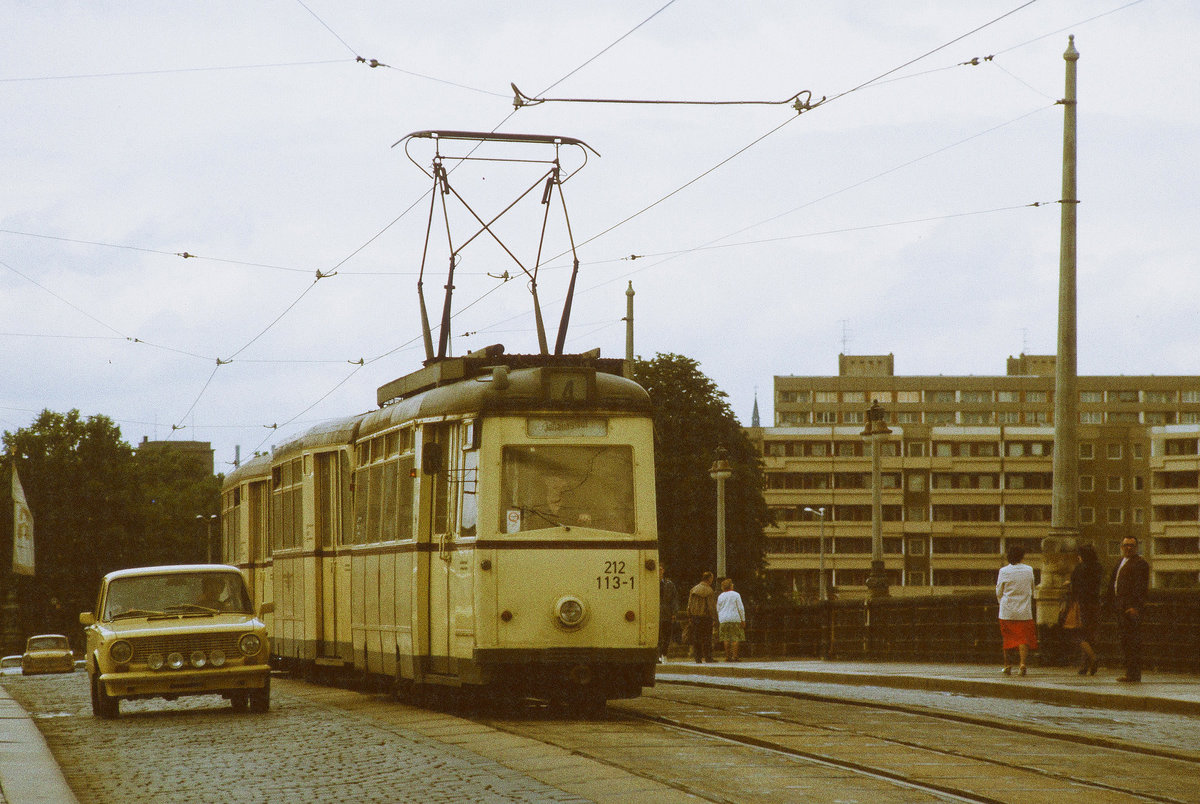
548 486
259 520
285 505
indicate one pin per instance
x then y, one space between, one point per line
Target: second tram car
490 527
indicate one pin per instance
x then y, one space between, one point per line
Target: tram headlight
250 644
570 612
121 652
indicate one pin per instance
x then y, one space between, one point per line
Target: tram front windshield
549 486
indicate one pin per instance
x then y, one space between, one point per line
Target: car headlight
217 658
155 661
570 612
175 660
121 652
198 659
250 644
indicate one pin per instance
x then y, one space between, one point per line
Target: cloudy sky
897 216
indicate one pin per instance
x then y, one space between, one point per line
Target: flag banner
22 529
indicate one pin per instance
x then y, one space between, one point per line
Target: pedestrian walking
702 611
1081 611
731 619
668 604
1126 597
1014 591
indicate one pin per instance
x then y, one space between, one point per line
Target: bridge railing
959 628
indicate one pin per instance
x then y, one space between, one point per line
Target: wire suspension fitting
802 101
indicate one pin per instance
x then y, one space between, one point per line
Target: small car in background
10 665
165 632
47 653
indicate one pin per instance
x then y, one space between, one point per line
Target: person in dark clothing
702 612
668 604
1083 606
1126 596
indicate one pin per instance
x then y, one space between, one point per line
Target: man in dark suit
1126 596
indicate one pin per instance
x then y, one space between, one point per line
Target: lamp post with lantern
875 433
821 595
208 522
721 472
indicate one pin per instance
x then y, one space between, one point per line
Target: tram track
665 707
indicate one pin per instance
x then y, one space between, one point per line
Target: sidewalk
1171 693
28 771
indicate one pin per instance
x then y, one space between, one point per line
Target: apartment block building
968 471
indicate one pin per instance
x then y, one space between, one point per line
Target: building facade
968 471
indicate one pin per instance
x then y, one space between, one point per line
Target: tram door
333 577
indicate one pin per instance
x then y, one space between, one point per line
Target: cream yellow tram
491 526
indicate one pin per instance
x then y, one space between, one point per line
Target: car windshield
47 643
176 593
547 486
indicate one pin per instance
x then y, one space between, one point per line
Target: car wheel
103 704
260 699
239 701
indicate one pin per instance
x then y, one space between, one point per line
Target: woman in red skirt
1014 591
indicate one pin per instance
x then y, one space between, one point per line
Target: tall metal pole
1059 547
875 433
821 594
629 330
721 472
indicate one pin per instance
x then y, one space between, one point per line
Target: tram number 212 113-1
614 577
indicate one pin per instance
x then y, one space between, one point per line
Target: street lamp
875 433
821 556
721 472
208 545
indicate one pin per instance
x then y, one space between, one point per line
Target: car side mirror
87 618
265 609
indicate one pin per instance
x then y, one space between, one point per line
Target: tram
491 527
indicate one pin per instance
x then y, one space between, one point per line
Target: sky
912 211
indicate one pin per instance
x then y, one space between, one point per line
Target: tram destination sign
566 427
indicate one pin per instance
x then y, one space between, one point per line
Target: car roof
169 569
46 636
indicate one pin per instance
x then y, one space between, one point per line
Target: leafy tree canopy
691 419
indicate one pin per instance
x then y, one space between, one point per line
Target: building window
1126 397
1016 450
916 513
1087 483
941 417
1008 417
1037 417
1036 397
1139 516
1116 516
826 397
916 547
1008 396
854 397
853 417
976 418
943 449
1139 483
825 417
1139 452
1091 417
882 397
1114 452
1087 515
975 397
914 578
910 396
1086 452
1128 417
1159 397
940 397
1091 397
916 449
1115 483
908 417
1153 418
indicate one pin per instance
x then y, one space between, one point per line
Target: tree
691 419
98 506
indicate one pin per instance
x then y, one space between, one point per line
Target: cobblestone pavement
199 750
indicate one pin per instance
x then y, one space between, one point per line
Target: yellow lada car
47 653
163 632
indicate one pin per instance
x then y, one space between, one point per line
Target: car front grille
185 644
